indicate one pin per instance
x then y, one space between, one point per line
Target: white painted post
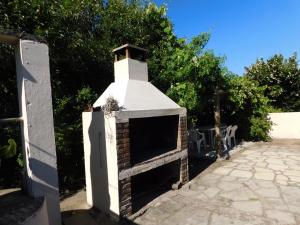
35 103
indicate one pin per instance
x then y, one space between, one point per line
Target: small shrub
260 128
110 105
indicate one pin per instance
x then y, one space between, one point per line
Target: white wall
285 125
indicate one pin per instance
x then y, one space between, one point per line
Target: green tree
248 107
80 35
282 80
189 75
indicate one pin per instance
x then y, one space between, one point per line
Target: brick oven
135 150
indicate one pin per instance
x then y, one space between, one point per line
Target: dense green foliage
9 150
248 107
81 35
10 155
191 75
281 78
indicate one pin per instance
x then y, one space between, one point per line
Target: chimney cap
129 46
130 51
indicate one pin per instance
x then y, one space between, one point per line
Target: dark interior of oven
147 186
152 136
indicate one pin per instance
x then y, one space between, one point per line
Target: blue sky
242 30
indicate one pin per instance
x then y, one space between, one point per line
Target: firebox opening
152 136
149 185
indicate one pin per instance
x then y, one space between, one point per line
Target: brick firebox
108 166
123 154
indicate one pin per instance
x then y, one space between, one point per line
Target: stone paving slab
259 185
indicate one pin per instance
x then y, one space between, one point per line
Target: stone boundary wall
39 217
286 125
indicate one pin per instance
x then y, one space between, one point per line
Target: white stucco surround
285 125
36 114
100 159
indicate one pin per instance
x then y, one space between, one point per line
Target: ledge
153 163
124 115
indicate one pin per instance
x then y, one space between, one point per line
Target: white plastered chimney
131 87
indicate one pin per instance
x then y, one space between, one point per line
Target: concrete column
35 102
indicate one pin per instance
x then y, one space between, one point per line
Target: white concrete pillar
35 103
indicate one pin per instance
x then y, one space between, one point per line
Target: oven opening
152 136
149 185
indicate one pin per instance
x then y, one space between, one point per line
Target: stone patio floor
258 185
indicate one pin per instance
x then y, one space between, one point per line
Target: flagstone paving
259 185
